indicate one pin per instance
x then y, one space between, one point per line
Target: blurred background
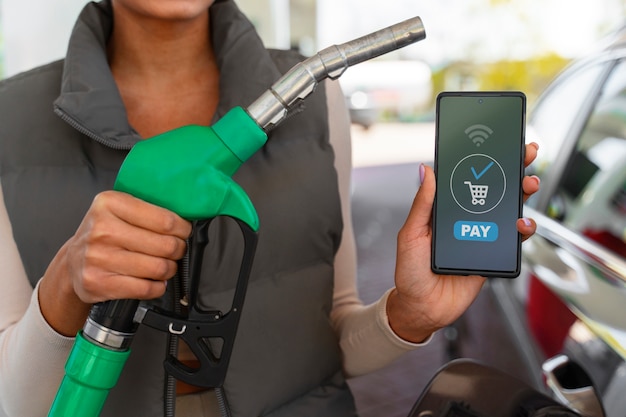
486 44
470 45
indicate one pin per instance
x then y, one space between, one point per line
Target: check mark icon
481 173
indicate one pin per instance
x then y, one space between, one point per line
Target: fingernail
535 144
527 222
422 173
536 178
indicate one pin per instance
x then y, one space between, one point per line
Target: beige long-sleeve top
32 354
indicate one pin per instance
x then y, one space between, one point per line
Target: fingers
108 229
141 214
531 153
115 287
527 227
125 248
530 185
121 262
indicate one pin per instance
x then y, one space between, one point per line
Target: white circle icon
478 183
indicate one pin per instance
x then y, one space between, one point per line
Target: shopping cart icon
479 193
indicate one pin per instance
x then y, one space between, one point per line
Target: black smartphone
479 166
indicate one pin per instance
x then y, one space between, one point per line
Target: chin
165 9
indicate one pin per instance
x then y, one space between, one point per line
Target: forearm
367 341
32 355
32 358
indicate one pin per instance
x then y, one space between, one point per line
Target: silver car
569 305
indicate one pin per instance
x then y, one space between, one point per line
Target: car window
557 110
590 196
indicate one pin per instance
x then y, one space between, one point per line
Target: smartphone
479 166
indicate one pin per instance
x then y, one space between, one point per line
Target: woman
137 68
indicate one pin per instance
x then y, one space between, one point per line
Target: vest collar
91 102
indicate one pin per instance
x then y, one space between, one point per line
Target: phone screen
479 169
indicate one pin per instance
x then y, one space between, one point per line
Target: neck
165 71
156 51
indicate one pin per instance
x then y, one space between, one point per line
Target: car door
577 261
573 266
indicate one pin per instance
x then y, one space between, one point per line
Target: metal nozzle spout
380 42
269 109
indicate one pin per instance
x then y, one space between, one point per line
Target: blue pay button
478 231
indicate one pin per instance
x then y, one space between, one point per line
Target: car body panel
571 295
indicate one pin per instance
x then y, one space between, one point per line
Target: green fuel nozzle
194 179
189 171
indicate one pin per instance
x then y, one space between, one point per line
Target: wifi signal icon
478 133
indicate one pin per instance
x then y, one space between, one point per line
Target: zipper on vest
80 128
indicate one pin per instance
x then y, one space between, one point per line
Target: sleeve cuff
51 335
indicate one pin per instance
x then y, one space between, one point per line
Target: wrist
60 306
405 321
